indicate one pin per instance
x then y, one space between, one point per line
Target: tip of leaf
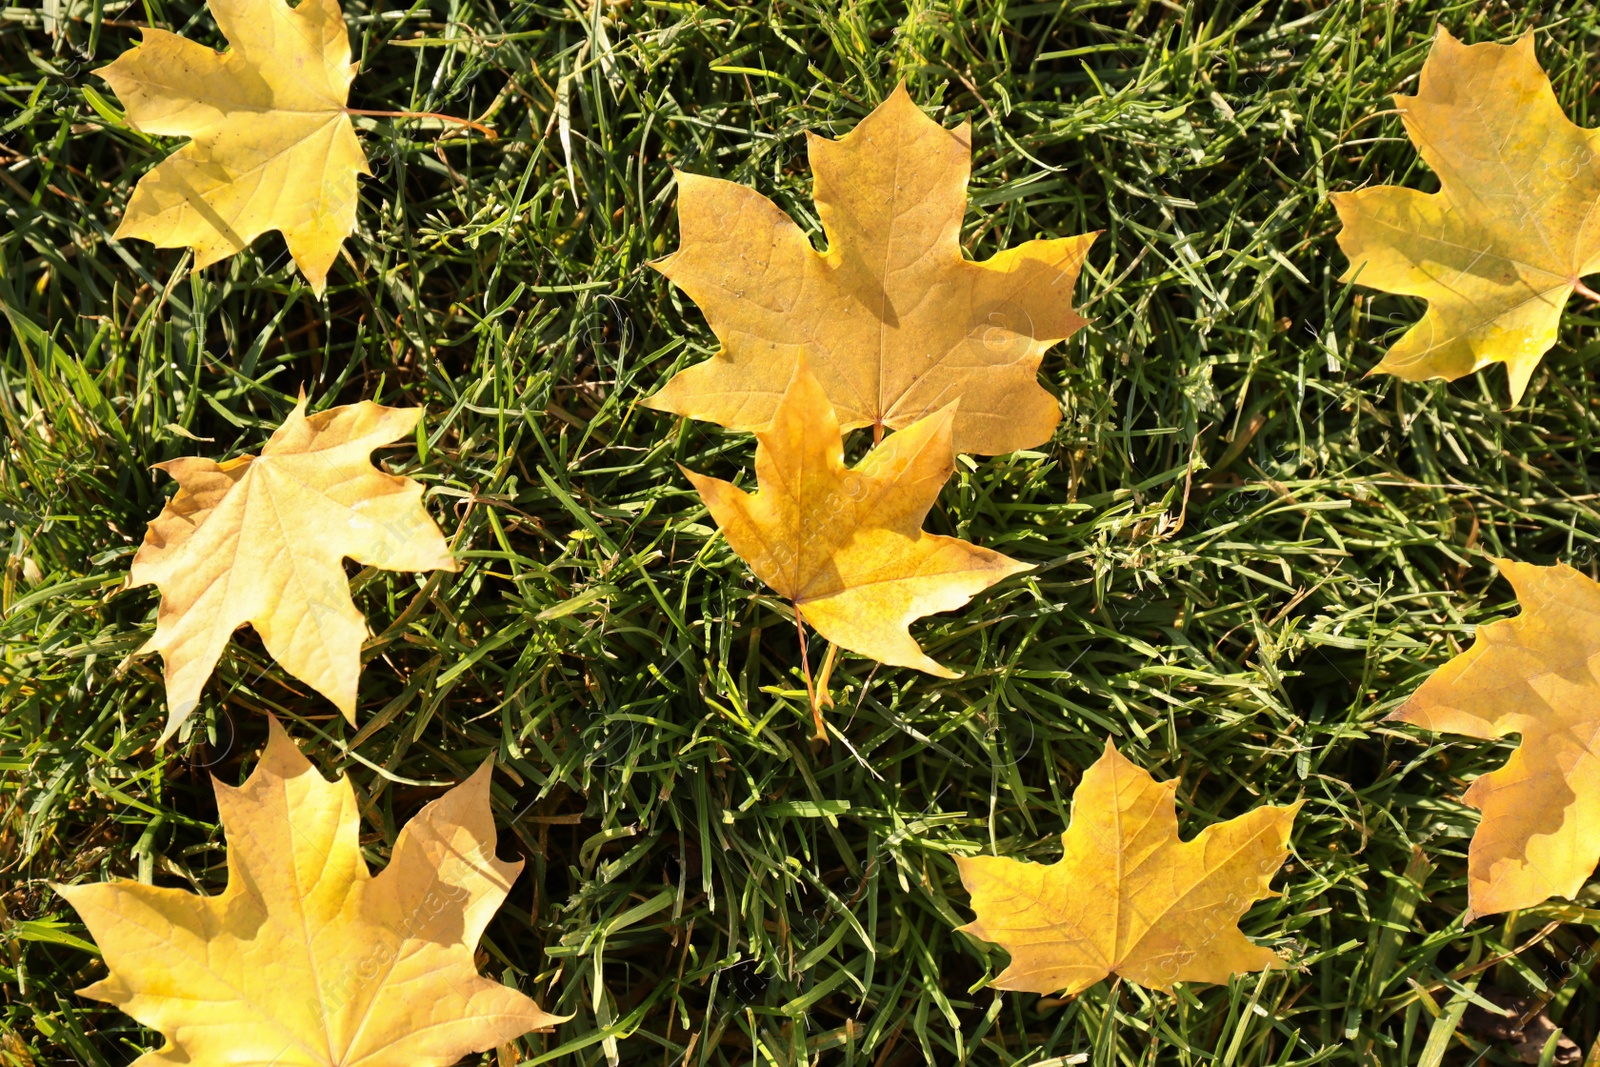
1400 714
276 734
484 772
178 713
281 753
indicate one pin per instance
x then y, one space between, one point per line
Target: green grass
704 886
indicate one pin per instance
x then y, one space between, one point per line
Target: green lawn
704 885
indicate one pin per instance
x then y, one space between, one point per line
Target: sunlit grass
1247 553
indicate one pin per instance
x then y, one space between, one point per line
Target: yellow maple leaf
262 540
1506 240
307 958
1127 896
894 321
271 143
847 545
1536 675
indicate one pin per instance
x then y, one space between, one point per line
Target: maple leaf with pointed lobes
1514 227
893 320
271 143
306 958
1537 675
1127 896
847 546
261 540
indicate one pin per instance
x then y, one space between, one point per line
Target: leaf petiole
487 131
824 697
805 669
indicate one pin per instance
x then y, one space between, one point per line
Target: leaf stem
487 131
805 669
820 697
1586 292
824 697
